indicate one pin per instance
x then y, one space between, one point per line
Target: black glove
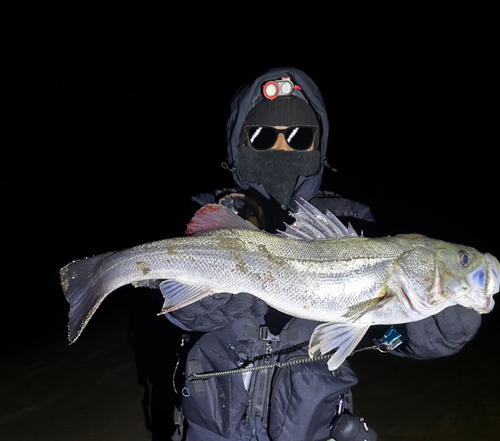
442 334
216 311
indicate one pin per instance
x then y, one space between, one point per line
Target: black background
114 115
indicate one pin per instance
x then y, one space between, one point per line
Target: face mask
277 170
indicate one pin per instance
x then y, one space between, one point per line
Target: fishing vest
294 401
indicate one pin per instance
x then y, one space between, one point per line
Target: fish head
476 281
442 272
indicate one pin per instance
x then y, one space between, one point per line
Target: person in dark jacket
277 136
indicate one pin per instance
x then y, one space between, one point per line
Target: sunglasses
298 137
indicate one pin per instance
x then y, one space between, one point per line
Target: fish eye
464 257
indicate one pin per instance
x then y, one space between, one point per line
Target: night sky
117 117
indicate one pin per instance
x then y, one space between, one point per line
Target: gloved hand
442 334
218 310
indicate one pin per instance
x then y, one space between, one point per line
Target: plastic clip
392 339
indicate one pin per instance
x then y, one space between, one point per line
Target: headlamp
283 87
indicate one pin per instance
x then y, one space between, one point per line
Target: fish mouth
487 304
482 296
480 286
479 301
494 266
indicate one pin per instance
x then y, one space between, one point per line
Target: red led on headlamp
283 87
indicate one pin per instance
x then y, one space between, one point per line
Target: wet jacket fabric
299 401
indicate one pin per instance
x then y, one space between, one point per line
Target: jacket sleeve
440 335
216 311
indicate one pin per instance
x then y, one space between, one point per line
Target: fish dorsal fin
217 217
310 223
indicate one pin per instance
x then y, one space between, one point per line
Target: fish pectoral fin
328 336
382 303
177 295
376 304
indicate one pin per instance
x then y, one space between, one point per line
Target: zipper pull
269 351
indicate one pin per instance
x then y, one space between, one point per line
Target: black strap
263 333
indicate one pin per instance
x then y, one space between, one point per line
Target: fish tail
84 288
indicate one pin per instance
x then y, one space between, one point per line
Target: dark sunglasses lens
300 138
261 138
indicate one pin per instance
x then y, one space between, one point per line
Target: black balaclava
277 170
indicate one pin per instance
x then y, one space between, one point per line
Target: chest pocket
299 404
218 403
304 399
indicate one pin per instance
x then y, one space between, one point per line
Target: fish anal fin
217 217
177 295
328 336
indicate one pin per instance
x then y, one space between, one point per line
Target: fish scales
347 282
273 268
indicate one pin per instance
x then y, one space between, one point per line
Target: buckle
264 333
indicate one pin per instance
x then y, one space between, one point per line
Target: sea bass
317 269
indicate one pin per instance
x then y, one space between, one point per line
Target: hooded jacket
244 100
437 336
247 97
220 309
228 317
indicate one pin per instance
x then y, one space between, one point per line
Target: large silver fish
317 269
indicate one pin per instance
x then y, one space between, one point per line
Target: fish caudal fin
328 336
82 286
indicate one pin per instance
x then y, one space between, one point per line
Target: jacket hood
247 97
